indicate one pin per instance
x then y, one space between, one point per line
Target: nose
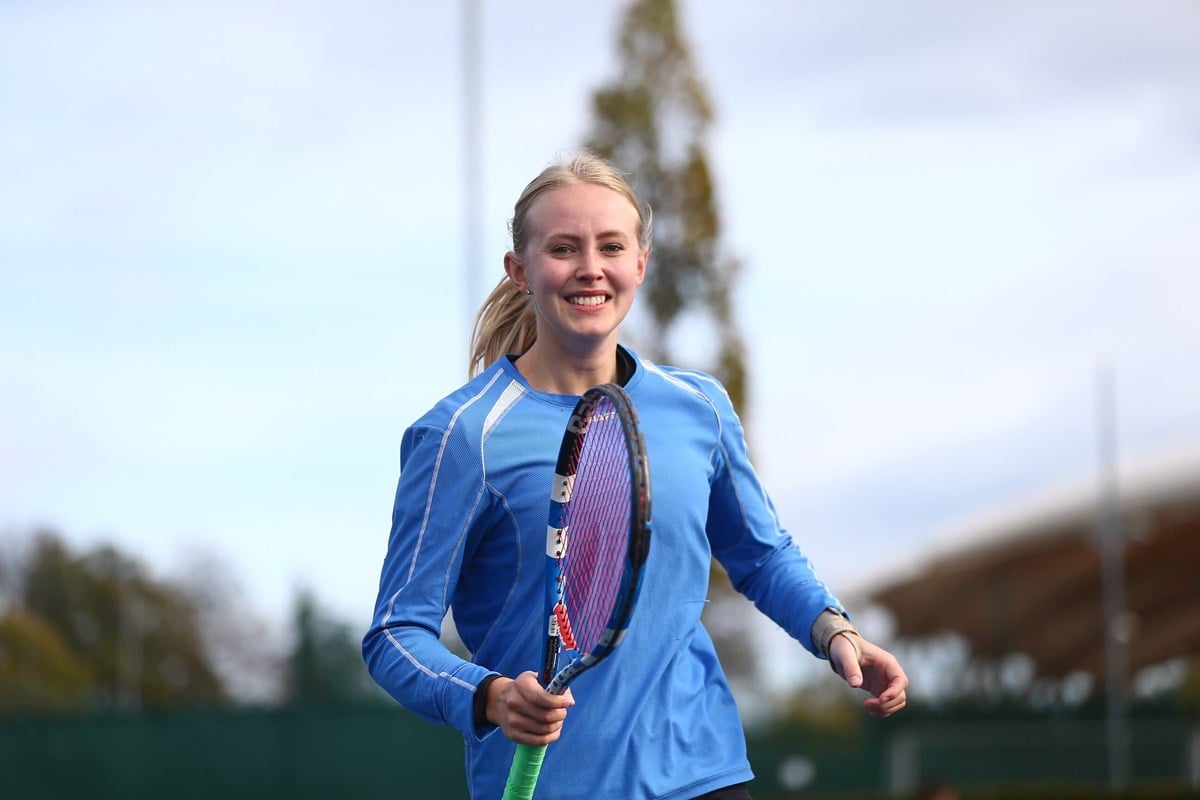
587 268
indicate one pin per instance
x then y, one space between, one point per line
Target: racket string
598 519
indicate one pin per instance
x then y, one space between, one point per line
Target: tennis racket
596 545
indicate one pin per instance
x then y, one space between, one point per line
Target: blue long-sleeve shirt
657 719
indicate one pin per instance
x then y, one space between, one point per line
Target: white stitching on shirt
457 681
437 466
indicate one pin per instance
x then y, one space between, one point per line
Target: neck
568 373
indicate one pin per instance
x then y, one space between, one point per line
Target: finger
527 684
879 707
845 660
534 709
534 715
892 697
546 702
532 693
535 735
892 684
538 722
539 728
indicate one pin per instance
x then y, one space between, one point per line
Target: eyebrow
612 234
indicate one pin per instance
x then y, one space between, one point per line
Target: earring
529 291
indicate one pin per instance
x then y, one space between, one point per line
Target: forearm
784 587
421 674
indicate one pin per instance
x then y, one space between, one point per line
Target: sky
233 242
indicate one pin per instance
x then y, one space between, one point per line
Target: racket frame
556 678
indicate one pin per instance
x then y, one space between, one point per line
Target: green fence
386 752
979 757
344 753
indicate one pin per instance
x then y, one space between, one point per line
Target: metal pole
472 155
904 768
129 637
1194 758
1112 554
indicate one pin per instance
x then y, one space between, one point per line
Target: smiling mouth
590 300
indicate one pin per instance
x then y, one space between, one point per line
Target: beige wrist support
829 624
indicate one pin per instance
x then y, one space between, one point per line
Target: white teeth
593 300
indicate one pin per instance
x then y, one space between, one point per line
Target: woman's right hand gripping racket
596 546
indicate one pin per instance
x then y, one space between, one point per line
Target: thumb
844 655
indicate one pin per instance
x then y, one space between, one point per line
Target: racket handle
523 775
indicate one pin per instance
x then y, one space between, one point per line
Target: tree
38 672
652 121
326 665
246 652
97 631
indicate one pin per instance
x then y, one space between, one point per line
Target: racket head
598 536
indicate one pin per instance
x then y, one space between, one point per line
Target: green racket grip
523 774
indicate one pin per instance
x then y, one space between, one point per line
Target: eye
560 250
613 247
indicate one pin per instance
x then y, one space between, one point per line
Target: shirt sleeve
763 561
439 495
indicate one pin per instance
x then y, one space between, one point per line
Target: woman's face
583 264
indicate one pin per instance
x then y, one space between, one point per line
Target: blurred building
1031 580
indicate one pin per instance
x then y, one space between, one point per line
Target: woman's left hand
872 668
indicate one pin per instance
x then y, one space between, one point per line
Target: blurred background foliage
653 120
94 631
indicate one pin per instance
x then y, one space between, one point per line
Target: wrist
828 624
494 704
482 702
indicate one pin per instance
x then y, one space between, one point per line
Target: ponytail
505 324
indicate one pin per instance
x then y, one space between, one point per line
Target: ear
643 259
515 270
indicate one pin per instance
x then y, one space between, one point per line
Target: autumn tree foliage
93 630
652 121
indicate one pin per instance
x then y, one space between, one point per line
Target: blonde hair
506 322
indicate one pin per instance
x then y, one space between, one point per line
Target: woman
657 720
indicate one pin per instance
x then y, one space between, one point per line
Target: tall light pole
1112 556
472 157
